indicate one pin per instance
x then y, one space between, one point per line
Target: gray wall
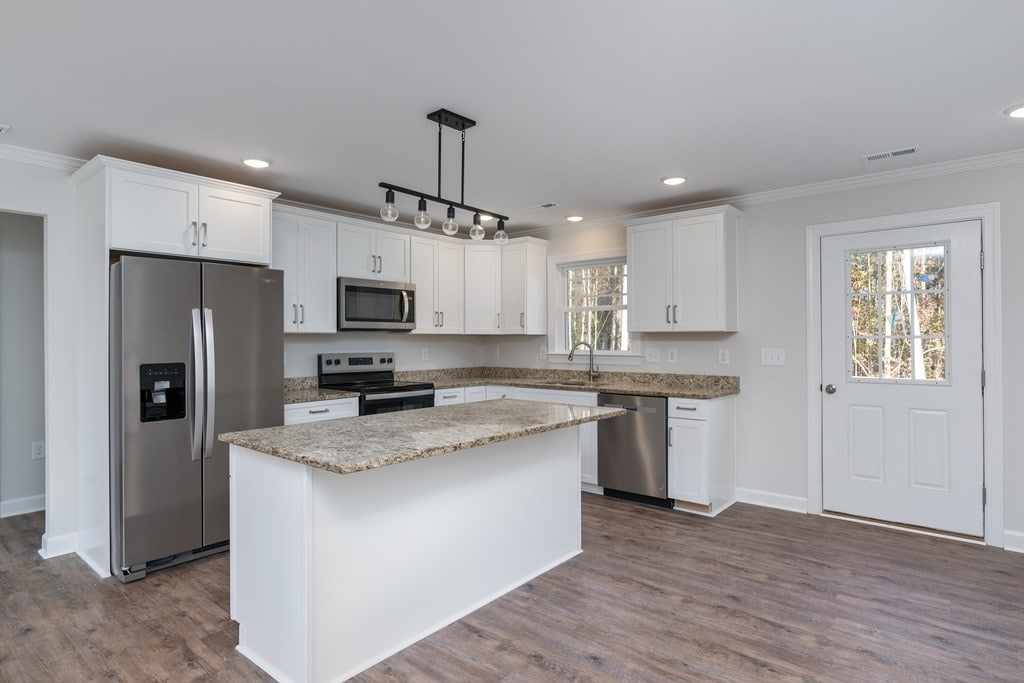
21 362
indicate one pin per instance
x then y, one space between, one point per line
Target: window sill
582 358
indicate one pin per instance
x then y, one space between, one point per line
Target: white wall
443 351
21 363
44 191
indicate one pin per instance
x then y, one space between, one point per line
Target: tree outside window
595 305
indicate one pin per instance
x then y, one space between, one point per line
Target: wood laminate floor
755 594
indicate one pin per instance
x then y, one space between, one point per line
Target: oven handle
397 394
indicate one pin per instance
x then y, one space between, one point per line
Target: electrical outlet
652 354
38 450
723 356
773 356
424 354
543 351
496 352
673 355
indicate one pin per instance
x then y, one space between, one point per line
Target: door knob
830 388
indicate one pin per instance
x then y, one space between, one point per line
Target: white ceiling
586 103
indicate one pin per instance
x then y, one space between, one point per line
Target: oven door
392 402
373 305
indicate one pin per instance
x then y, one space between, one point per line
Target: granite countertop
637 383
305 395
362 443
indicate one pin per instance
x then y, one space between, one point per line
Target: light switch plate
673 355
496 352
652 354
723 356
773 356
424 354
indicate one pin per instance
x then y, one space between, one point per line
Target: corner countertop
363 443
307 394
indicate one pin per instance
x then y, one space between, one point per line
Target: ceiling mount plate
451 119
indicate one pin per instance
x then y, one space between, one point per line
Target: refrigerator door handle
199 386
211 382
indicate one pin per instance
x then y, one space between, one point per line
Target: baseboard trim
21 506
771 500
1013 540
54 546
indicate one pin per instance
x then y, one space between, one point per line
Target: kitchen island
354 538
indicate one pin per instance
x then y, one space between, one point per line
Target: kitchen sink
566 384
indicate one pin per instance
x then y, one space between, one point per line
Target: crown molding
35 157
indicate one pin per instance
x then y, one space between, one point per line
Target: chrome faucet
591 373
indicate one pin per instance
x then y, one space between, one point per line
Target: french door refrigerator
196 349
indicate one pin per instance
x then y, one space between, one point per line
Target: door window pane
897 313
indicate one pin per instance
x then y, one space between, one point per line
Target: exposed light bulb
476 232
422 219
448 225
500 237
484 218
389 212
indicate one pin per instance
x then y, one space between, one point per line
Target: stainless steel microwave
375 305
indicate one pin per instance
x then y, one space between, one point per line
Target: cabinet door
234 226
699 274
483 289
513 289
687 460
285 256
424 262
318 286
449 295
588 453
495 392
392 257
356 256
649 263
474 394
151 213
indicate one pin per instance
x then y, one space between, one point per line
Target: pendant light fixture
422 219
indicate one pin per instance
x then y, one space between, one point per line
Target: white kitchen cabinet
682 271
154 210
373 254
483 289
305 248
474 394
494 391
447 397
524 286
315 411
438 271
702 454
588 431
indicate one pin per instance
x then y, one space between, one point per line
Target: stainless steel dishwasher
632 457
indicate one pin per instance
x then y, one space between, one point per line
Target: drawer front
314 411
447 397
688 408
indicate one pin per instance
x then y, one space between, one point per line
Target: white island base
332 573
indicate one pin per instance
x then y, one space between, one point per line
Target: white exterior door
902 405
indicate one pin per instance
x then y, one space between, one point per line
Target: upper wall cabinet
524 287
483 288
437 272
373 254
682 271
305 248
149 209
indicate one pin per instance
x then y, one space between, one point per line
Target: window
897 314
594 305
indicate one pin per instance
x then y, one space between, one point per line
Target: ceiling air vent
542 207
890 154
4 128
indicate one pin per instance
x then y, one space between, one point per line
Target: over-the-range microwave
375 305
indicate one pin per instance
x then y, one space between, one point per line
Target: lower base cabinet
702 454
314 411
447 397
588 432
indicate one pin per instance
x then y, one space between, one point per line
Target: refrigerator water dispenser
161 391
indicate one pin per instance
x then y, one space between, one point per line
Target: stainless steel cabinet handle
670 437
211 384
522 320
668 310
199 385
295 314
380 263
302 314
442 318
206 232
498 320
449 396
437 319
675 309
195 233
321 410
686 407
830 388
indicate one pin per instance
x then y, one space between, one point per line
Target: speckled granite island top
363 443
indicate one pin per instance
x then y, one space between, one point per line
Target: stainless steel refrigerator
196 349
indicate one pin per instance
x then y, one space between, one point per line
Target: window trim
556 310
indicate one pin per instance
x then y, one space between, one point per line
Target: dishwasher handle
632 409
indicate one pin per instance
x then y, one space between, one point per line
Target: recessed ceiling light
574 219
485 217
1015 112
673 180
256 163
